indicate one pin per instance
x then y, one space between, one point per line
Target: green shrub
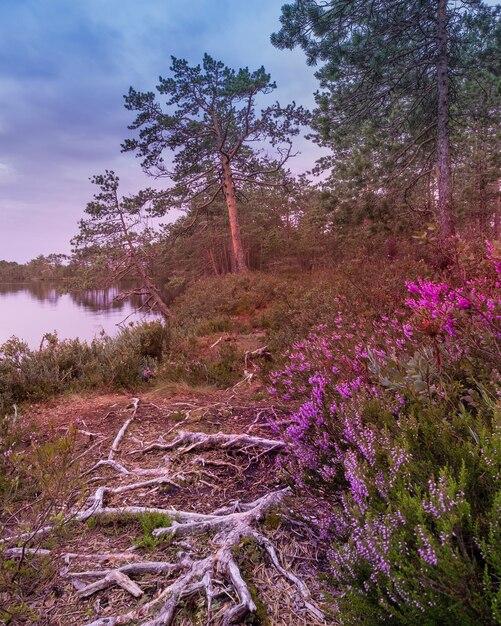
218 324
72 365
149 522
220 368
398 437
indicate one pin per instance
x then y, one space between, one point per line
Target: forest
310 430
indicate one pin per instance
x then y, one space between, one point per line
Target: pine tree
398 63
204 140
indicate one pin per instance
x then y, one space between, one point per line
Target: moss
249 553
272 520
149 522
178 416
260 616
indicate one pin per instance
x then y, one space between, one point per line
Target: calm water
30 310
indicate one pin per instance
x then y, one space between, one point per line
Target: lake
28 311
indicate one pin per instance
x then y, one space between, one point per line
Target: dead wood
202 441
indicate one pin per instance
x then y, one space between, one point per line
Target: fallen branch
216 343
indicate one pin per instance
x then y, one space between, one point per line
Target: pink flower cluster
344 452
444 311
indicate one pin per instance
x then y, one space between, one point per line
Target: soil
203 482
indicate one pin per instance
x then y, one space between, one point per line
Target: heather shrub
218 324
397 433
287 305
220 298
154 339
221 367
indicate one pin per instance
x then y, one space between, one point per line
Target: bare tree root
115 577
216 574
202 575
203 441
115 446
121 433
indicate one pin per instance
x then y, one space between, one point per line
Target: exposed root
115 577
115 446
20 553
134 569
110 556
203 441
302 588
231 527
121 469
256 354
213 575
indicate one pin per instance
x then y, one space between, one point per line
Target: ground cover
183 517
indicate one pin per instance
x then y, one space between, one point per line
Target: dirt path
187 517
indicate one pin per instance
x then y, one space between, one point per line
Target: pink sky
64 67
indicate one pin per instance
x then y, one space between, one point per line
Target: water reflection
40 290
105 299
29 310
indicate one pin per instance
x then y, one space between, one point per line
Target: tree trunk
160 304
446 219
482 202
231 203
212 259
153 292
147 283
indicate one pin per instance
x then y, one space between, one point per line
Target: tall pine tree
204 139
399 63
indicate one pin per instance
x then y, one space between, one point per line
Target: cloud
64 67
7 174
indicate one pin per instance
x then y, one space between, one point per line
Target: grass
149 522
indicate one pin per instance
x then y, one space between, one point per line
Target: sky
64 68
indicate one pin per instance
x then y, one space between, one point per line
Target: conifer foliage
399 63
204 139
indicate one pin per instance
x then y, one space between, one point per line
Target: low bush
72 365
221 367
284 306
150 522
287 305
398 434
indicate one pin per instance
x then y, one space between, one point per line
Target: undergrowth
246 312
72 365
397 436
38 484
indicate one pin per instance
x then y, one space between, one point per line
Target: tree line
409 107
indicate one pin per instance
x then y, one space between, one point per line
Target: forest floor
184 515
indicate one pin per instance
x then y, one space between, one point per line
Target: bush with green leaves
39 483
72 365
221 367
